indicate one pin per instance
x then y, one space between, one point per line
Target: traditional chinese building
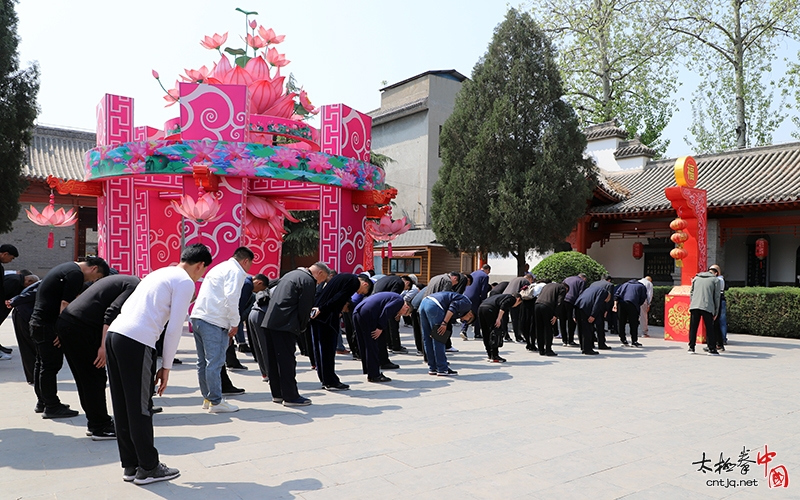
417 252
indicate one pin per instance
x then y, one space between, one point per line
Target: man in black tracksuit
22 306
628 300
82 329
547 303
491 313
589 309
600 323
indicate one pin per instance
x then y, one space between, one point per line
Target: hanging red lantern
762 248
638 250
678 253
679 237
678 224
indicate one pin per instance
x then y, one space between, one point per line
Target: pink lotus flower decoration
265 215
387 229
214 42
51 217
206 209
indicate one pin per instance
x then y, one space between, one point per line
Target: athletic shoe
106 434
338 387
237 367
498 359
400 350
691 350
244 348
156 409
60 411
129 474
636 344
623 342
277 400
6 350
380 379
432 372
604 347
464 336
232 391
448 373
451 349
591 353
206 404
389 366
160 473
713 353
479 336
223 407
4 355
300 401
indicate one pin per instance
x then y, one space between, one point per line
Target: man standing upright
287 316
477 292
628 300
7 254
576 285
60 287
162 298
215 320
704 304
647 281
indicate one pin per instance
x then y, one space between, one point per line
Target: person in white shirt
162 298
647 281
215 319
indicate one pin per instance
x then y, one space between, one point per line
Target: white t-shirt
218 299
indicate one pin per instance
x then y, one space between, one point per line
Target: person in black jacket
255 317
396 284
491 314
22 308
82 329
287 316
328 306
600 323
590 307
371 319
547 303
7 254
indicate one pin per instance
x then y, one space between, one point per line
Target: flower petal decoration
269 35
206 209
51 217
386 229
276 59
214 42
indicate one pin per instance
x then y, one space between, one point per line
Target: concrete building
406 128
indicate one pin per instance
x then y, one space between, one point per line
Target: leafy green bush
771 312
565 264
656 315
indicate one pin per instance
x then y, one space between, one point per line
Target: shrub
771 312
565 264
656 315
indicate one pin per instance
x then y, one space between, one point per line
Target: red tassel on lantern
50 239
390 249
383 253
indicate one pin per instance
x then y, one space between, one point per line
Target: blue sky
341 51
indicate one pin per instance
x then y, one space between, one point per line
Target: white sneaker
206 404
451 349
4 355
223 407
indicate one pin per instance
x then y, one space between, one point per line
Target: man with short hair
7 254
704 305
396 284
590 309
599 324
647 281
371 318
567 323
161 298
628 300
59 287
476 292
491 314
215 320
287 316
547 303
438 311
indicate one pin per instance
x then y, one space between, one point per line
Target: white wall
617 257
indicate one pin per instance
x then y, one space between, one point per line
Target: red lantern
638 250
678 224
762 248
679 237
678 253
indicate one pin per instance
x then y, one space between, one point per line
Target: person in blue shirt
628 300
436 312
371 319
590 308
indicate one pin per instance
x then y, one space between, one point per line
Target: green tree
18 89
513 175
613 63
731 45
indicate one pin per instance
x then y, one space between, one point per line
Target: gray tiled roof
733 179
380 115
58 152
414 238
634 147
605 129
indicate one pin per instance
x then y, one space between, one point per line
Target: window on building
405 266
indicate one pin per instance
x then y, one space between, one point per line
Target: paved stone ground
626 424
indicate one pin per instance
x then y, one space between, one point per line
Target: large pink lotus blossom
261 211
306 103
258 69
276 59
206 209
285 158
196 75
235 150
173 95
283 106
255 42
347 179
244 167
386 229
318 163
214 42
220 71
269 35
202 151
51 217
258 229
262 96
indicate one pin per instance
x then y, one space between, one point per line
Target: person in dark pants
396 284
600 323
328 306
519 321
704 304
371 319
243 340
13 285
437 311
628 300
589 309
82 329
476 292
287 317
255 317
491 313
22 306
567 323
161 298
7 254
60 287
547 303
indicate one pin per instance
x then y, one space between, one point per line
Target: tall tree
613 63
18 89
731 45
513 175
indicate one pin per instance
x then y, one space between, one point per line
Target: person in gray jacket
287 316
704 304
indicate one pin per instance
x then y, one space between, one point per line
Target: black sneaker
106 434
604 347
479 336
636 344
129 474
160 473
300 401
380 379
498 359
232 391
61 411
448 373
237 367
550 353
623 341
691 350
591 353
705 349
713 353
389 366
400 350
244 348
6 350
39 408
338 387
